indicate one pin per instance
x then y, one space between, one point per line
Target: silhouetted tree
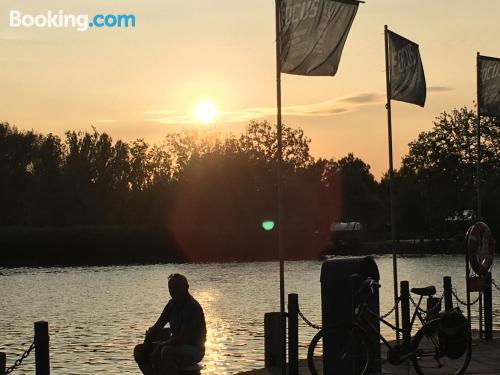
437 176
17 155
209 192
360 200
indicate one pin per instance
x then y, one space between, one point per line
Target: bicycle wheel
430 355
350 351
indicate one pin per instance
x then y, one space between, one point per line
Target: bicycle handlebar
369 285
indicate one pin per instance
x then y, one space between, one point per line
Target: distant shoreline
133 245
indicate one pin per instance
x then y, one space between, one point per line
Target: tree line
210 192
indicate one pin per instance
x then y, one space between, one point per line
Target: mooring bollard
448 293
405 311
293 334
42 364
272 339
3 362
488 308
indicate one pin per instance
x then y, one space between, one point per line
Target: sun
206 111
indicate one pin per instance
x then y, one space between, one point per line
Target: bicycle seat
427 291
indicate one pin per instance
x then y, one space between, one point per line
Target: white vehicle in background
346 235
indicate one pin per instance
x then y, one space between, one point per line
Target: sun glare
206 111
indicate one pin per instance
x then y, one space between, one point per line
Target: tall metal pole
478 160
391 187
279 160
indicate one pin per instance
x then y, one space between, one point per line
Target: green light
268 225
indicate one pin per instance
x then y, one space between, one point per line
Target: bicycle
428 351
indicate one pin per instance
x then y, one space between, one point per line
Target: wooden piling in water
405 311
488 308
293 334
42 364
3 362
272 341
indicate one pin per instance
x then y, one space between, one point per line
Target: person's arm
155 329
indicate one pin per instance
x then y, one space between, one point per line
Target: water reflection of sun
218 332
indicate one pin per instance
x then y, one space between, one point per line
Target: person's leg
175 358
155 360
171 357
190 355
142 357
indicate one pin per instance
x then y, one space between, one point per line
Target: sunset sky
147 81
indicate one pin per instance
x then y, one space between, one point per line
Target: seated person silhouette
164 355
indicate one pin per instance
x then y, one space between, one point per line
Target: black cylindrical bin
337 306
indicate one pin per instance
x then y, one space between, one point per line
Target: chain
19 361
307 321
454 292
429 311
312 325
391 310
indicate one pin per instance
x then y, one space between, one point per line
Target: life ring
480 247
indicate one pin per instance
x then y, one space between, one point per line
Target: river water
97 314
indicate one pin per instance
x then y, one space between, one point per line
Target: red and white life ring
480 247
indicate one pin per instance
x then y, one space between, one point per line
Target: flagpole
391 187
478 159
279 160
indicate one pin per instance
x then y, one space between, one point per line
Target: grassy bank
115 245
78 246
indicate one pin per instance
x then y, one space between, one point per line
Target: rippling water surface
96 315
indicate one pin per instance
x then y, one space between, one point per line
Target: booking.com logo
81 22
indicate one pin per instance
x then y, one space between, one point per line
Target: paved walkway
485 361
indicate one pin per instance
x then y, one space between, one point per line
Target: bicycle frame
359 317
424 349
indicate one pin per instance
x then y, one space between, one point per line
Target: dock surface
485 361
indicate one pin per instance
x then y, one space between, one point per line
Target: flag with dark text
406 72
489 86
313 34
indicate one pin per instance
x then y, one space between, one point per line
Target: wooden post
405 312
42 365
3 362
467 281
448 296
488 308
293 334
272 339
